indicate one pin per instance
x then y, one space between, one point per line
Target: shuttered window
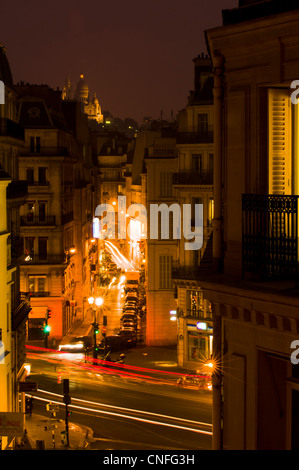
280 162
165 263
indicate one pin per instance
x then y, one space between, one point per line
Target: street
125 412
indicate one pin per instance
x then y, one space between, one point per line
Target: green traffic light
47 329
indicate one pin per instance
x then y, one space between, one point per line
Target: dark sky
136 55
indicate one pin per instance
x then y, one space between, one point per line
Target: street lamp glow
90 300
99 301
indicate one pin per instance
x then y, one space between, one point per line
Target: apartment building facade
193 185
253 292
56 221
14 307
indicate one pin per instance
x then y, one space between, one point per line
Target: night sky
135 55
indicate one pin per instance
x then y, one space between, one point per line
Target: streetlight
95 303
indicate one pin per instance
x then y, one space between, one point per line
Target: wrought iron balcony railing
270 236
195 137
55 151
38 220
43 259
193 177
20 313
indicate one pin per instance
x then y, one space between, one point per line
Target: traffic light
95 328
49 313
47 329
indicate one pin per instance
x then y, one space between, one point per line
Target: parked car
130 305
202 382
130 289
130 309
131 298
76 344
128 321
129 335
132 293
113 343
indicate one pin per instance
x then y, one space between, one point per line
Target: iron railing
38 220
194 177
43 259
270 236
195 137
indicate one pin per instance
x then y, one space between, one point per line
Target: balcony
38 294
270 236
9 128
47 259
193 177
195 137
37 220
21 312
45 151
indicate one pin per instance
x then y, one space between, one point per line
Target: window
211 211
165 184
30 211
211 163
42 248
195 303
42 211
30 175
34 144
42 172
165 265
197 346
195 200
37 284
197 162
202 123
280 151
29 248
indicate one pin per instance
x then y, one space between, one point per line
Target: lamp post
95 302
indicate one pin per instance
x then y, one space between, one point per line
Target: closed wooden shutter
280 161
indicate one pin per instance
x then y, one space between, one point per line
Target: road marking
135 418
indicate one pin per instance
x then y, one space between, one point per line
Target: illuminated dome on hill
82 90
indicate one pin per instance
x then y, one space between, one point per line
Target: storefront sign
11 424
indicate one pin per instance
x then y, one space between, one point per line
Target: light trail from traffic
103 366
119 259
128 416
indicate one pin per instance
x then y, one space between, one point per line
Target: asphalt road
126 412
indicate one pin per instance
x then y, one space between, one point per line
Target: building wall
258 319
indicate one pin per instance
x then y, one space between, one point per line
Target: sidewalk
37 438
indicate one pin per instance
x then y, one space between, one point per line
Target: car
198 382
130 305
128 321
131 298
130 310
76 344
129 316
132 289
129 335
132 293
113 343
